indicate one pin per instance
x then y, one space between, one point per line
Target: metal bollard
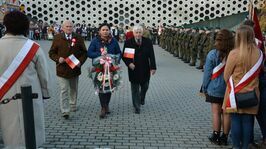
28 116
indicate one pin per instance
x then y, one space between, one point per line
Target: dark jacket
95 46
61 47
144 60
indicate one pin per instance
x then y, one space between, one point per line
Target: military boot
199 67
192 64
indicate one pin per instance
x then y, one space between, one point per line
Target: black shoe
192 64
186 61
199 67
142 101
137 111
223 139
66 115
215 138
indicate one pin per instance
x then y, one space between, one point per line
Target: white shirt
68 36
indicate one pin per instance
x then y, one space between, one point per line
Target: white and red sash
247 78
72 61
218 70
17 67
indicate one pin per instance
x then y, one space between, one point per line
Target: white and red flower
106 73
73 42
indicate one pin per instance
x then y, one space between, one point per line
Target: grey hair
137 27
67 21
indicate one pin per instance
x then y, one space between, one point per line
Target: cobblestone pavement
174 116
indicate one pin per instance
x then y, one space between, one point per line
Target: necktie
138 42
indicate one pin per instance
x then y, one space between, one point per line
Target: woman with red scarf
102 45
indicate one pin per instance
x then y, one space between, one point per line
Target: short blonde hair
137 27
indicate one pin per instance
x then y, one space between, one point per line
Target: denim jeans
261 116
241 129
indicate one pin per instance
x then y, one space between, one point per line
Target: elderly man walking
138 55
69 52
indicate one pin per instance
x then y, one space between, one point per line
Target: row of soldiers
189 43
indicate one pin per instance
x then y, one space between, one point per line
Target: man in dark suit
67 47
138 55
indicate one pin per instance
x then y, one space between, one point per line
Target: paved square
174 116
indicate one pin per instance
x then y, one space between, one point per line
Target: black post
27 105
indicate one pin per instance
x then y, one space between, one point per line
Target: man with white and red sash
22 61
69 52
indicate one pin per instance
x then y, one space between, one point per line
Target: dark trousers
261 116
158 40
138 93
104 99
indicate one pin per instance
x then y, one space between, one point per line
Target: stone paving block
150 147
129 144
136 147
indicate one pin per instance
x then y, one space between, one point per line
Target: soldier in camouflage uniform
180 43
176 51
213 35
207 45
203 38
171 40
191 35
167 39
194 47
184 44
173 49
162 38
188 45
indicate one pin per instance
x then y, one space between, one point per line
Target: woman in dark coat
104 40
138 55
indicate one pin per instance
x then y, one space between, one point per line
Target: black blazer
144 60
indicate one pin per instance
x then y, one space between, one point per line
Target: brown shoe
103 113
107 111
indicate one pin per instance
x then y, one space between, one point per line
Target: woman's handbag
246 100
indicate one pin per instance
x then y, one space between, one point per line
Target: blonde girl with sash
214 85
241 74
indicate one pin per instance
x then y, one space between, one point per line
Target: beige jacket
37 75
233 68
